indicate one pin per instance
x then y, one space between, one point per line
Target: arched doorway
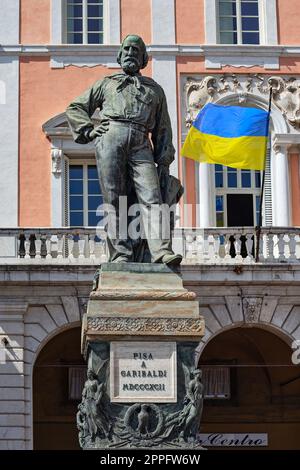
58 377
251 387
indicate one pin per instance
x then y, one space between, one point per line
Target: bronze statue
194 405
129 164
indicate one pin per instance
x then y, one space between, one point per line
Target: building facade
220 51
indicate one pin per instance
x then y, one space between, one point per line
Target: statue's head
132 55
197 373
91 374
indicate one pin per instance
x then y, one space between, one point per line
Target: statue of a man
132 108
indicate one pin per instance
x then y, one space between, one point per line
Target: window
216 382
84 195
84 21
239 22
77 378
237 196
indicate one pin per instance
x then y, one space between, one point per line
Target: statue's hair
141 43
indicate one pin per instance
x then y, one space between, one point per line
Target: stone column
281 187
294 160
139 337
205 195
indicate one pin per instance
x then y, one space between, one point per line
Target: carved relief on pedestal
285 93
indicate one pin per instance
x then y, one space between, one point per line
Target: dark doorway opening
240 210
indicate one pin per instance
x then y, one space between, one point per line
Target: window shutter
216 382
77 378
268 192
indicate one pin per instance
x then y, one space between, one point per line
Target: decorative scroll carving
119 325
252 308
199 93
286 93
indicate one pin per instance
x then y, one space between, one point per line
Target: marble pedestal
139 337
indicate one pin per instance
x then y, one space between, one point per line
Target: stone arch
43 323
261 311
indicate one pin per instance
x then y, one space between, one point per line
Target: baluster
27 247
243 251
70 241
200 248
48 247
43 246
232 251
38 246
249 247
281 245
60 245
81 245
238 245
92 246
292 247
206 247
262 248
32 245
189 239
297 238
270 242
211 249
21 251
227 246
217 245
221 247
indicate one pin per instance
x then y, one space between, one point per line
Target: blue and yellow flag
228 135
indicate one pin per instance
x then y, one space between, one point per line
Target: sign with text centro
219 439
142 372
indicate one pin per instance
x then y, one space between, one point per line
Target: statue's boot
171 259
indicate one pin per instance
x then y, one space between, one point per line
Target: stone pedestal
139 337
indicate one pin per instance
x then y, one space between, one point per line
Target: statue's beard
130 66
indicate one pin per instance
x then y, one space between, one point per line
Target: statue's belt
129 122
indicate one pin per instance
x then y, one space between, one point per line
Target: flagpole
258 227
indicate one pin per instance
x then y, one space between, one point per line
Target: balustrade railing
229 245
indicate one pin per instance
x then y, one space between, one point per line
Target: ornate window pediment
241 89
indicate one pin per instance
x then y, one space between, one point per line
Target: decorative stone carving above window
286 93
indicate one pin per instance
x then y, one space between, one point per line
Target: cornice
153 49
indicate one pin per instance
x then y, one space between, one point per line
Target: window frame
267 23
67 206
111 22
239 24
85 19
225 189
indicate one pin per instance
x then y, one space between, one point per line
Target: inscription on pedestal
143 372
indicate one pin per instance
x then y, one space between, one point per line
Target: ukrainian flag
228 135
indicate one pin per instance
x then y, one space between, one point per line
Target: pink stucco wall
288 14
35 21
136 18
190 21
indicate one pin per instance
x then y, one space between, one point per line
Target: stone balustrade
228 245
